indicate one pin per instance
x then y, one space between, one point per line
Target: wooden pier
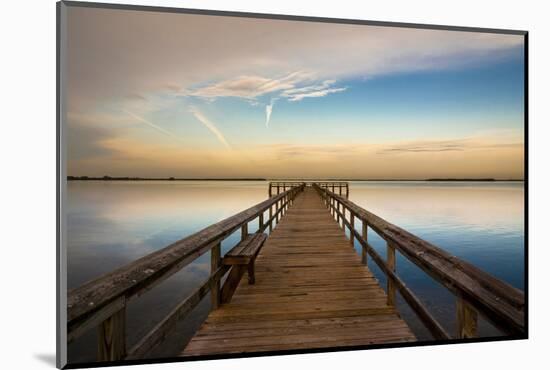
311 291
294 282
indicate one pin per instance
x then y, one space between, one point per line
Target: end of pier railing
340 187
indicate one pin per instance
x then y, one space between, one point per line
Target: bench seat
241 257
246 251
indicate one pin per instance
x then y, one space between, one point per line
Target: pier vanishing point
293 282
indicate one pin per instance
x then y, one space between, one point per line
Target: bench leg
231 283
251 275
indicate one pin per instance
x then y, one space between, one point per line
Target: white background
27 207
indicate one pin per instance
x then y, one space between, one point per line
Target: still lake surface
112 223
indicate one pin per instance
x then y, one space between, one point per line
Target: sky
151 94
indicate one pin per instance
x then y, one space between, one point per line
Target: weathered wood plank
215 262
466 319
364 234
230 285
111 337
391 265
245 252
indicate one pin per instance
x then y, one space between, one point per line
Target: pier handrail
281 186
476 290
101 302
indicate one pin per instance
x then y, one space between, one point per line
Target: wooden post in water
391 265
347 190
277 188
214 265
364 233
111 337
466 319
351 228
270 192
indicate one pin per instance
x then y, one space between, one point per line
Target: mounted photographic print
235 184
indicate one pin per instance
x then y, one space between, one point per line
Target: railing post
338 213
351 228
343 217
277 188
270 218
364 233
270 192
111 337
347 191
391 266
244 231
260 221
214 265
466 319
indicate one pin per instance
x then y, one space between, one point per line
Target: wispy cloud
209 125
151 124
312 91
268 111
293 87
437 146
316 94
285 151
249 87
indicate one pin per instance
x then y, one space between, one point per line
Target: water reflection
112 223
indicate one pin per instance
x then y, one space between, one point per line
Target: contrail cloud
209 125
268 111
151 124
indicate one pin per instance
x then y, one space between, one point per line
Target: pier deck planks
311 291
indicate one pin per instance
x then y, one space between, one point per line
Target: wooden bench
241 258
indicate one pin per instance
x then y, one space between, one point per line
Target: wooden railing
475 291
276 187
340 187
101 303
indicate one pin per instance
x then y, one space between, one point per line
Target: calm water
112 223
